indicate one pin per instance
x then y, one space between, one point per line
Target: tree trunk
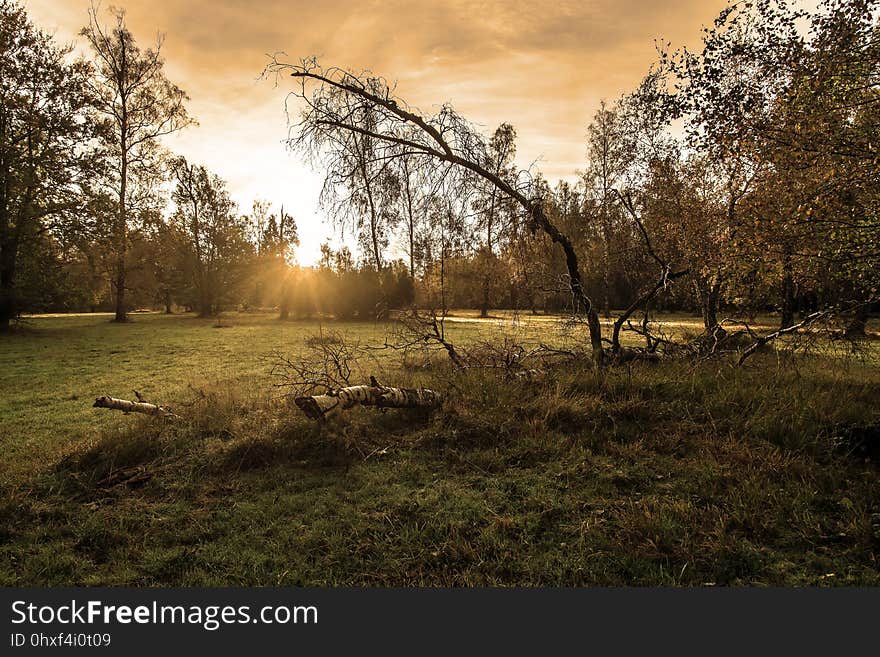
487 275
443 275
582 303
484 308
606 239
206 305
606 281
8 309
859 322
284 306
121 315
318 407
374 219
787 309
411 223
412 260
710 302
122 228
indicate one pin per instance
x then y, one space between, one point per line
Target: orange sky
542 66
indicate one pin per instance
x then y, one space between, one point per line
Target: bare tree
362 187
141 105
410 202
337 103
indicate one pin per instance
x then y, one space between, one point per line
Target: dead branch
666 277
508 355
763 340
653 341
417 330
132 477
828 314
330 362
530 375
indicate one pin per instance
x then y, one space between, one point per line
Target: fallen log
318 407
127 406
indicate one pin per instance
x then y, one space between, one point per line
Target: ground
672 473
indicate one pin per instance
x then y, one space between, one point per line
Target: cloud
542 66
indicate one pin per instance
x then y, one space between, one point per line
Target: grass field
669 474
51 372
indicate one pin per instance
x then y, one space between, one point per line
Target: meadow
674 473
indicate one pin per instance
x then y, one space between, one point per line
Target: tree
608 157
362 188
494 208
823 144
412 205
217 250
45 135
724 93
791 117
275 237
167 247
140 106
340 106
446 232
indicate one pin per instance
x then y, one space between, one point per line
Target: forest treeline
736 178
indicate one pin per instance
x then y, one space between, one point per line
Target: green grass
669 474
52 371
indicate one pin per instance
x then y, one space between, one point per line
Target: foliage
46 154
215 251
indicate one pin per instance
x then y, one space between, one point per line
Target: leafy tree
494 209
790 116
609 152
140 105
823 144
45 156
167 247
217 252
275 238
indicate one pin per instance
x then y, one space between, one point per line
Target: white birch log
318 407
127 406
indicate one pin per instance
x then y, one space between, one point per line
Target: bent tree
341 109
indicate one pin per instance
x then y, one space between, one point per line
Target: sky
542 66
